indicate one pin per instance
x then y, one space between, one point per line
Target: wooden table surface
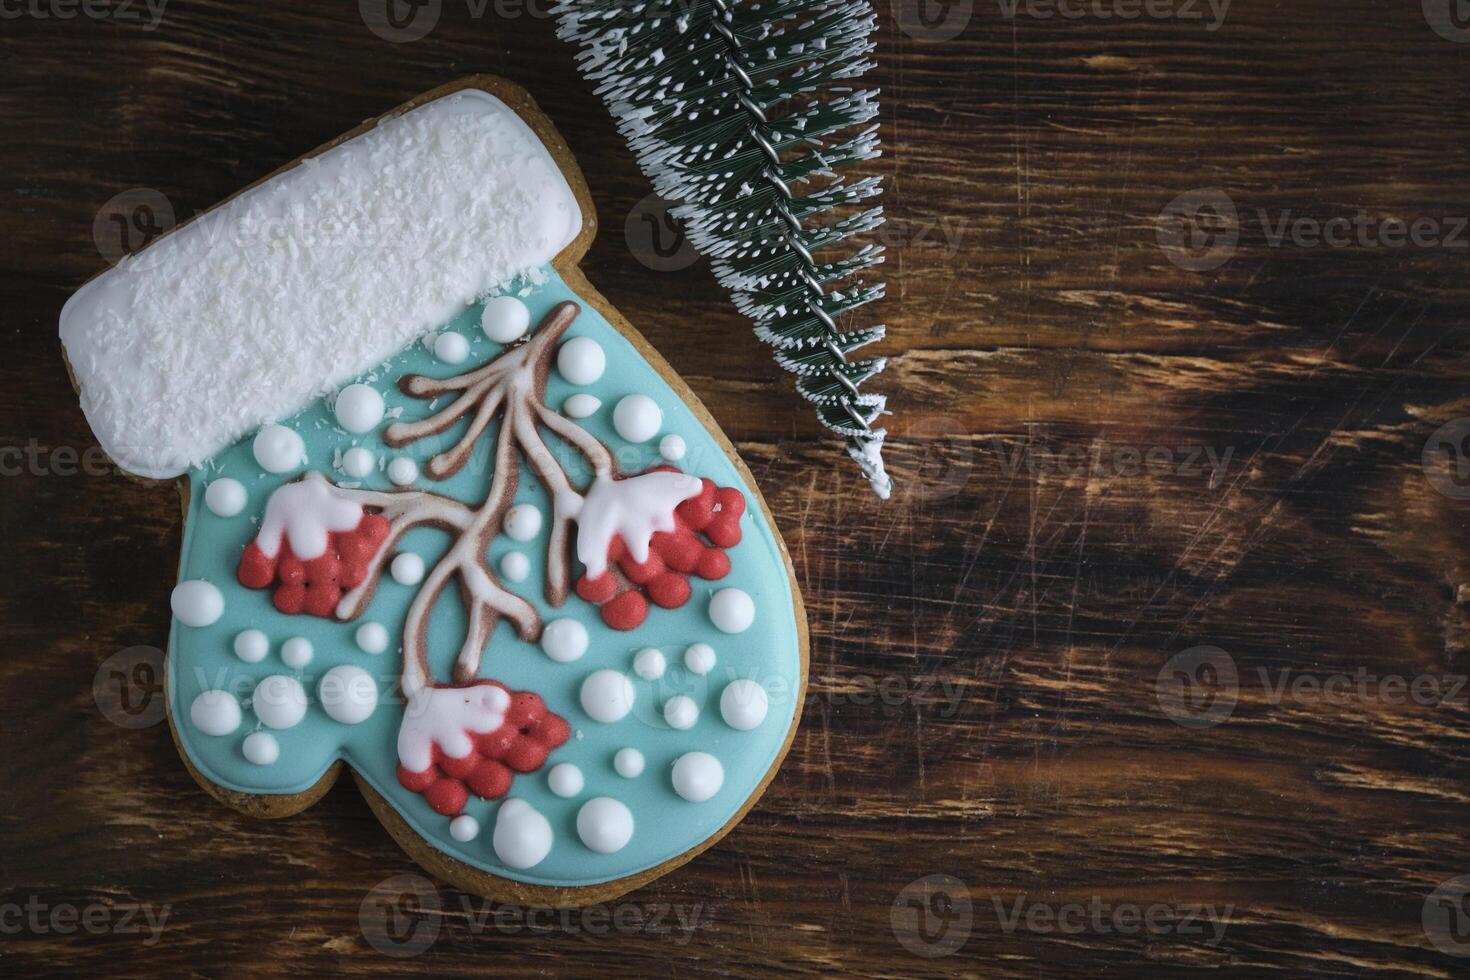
1153 664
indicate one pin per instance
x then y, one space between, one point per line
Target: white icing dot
698 776
407 568
523 522
358 462
372 637
197 602
261 748
279 701
731 610
296 652
359 408
451 347
504 319
565 779
278 449
699 658
672 448
564 640
403 471
629 763
348 694
522 837
215 713
605 825
649 664
581 360
225 497
681 712
607 695
515 566
743 705
581 406
251 646
464 828
637 418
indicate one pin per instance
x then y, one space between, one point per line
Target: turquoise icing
665 824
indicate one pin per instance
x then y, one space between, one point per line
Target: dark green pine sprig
742 113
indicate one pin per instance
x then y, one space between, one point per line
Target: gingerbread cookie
449 520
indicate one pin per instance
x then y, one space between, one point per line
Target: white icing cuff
242 317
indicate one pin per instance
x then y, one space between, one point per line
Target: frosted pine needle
740 112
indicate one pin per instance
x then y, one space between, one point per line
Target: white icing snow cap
244 316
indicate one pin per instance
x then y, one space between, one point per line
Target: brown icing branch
511 387
518 375
404 511
485 599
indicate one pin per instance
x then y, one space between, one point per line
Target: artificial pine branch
739 111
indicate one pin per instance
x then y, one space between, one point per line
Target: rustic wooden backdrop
1151 665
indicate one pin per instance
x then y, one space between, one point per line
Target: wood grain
987 647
